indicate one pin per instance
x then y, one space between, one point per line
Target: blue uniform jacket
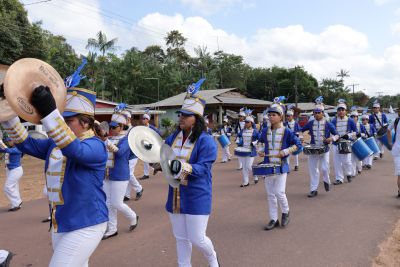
255 137
14 158
372 119
120 171
372 130
84 201
329 130
228 130
196 196
289 139
351 126
296 129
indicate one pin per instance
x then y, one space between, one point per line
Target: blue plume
147 110
120 107
279 99
319 100
353 108
248 112
341 101
74 79
195 87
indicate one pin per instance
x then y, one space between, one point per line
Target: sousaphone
21 79
145 143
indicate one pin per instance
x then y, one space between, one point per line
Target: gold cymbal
23 77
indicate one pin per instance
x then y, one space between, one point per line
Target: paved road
339 228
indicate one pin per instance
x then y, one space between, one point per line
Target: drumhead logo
24 106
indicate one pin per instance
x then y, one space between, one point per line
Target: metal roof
109 111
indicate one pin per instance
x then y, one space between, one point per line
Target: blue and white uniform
374 119
249 139
368 130
342 162
117 179
356 163
226 154
275 141
295 127
319 131
14 173
238 129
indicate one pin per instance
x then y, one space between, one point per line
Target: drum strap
396 122
377 118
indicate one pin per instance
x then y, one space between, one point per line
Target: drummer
322 133
367 131
75 168
356 163
146 122
378 119
14 172
293 125
238 130
189 205
118 173
279 142
249 139
226 130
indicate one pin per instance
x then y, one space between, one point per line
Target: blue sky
362 36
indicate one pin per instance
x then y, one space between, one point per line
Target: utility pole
353 85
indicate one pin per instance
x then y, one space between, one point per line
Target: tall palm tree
342 74
103 45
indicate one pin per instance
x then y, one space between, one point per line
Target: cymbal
167 154
145 143
23 77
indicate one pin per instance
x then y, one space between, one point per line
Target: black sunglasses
114 127
184 115
340 109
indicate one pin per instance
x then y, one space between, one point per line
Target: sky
324 36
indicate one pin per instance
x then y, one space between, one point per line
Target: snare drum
242 152
223 140
314 149
371 143
344 146
266 169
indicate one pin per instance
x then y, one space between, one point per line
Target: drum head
167 154
23 77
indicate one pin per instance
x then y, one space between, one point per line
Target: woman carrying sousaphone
279 142
75 158
189 205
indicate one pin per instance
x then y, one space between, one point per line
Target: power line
34 3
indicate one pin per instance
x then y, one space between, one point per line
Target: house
219 102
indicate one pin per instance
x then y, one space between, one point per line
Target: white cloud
322 54
208 7
395 28
382 2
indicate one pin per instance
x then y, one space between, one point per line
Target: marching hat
376 104
79 101
290 112
365 116
120 115
276 106
341 104
354 113
193 103
319 105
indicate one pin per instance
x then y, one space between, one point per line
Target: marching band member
207 122
279 143
322 133
367 131
14 173
118 173
346 129
226 130
189 205
378 119
248 139
295 127
238 130
395 125
133 182
75 168
145 122
265 122
356 163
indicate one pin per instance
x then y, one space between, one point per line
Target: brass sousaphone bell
20 80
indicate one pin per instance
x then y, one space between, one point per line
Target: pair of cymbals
20 80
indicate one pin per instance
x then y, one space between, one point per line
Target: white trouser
396 160
191 229
240 163
315 162
3 255
11 186
342 164
247 162
275 187
73 249
381 147
356 164
146 168
368 160
133 182
115 191
295 158
226 154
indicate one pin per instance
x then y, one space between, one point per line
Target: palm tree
103 45
342 74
